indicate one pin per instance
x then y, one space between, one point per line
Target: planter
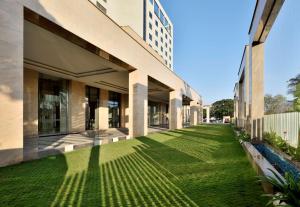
261 165
278 160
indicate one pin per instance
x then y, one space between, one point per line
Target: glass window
53 105
150 25
150 37
114 104
166 53
156 23
151 2
161 49
156 9
166 36
156 43
170 66
170 49
170 41
170 58
91 106
162 40
156 33
150 15
166 45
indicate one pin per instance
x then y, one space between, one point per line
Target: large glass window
153 114
53 105
114 105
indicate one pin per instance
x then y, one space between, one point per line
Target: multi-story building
68 69
148 19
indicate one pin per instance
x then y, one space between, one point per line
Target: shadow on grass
174 172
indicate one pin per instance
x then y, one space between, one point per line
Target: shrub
275 140
286 191
243 135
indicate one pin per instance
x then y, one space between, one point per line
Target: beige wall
76 106
11 82
104 33
31 81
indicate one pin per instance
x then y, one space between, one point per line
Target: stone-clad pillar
208 114
103 110
11 82
257 89
76 106
138 104
175 115
195 111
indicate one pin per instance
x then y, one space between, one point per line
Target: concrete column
11 82
30 114
138 104
257 89
195 110
124 111
77 106
207 115
175 111
200 114
103 110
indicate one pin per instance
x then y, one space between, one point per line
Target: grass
199 166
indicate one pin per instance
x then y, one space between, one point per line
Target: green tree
294 89
222 108
277 104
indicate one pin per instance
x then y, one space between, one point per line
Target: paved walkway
43 146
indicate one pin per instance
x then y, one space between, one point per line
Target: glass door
92 104
53 105
114 104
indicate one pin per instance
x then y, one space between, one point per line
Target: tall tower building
147 18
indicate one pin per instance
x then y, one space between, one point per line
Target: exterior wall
11 82
126 13
135 14
30 119
98 29
76 106
103 109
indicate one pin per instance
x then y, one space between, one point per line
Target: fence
286 125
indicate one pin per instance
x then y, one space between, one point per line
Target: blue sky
209 37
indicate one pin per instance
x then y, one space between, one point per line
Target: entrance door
114 104
92 104
53 105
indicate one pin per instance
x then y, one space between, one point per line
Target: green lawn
199 166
